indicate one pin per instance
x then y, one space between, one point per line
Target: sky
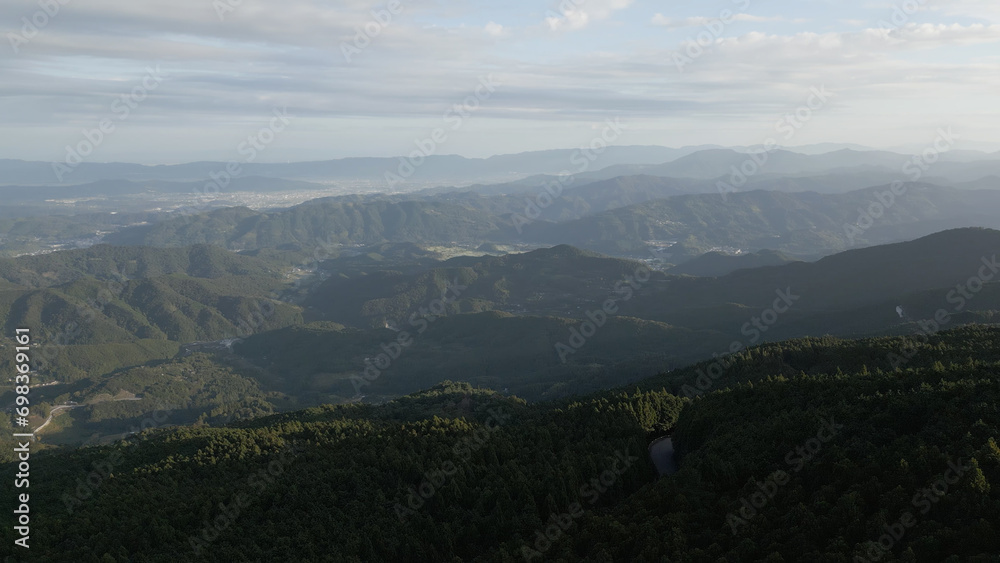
191 80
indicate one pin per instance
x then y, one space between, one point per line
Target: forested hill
312 223
718 264
618 217
801 224
118 264
99 309
843 294
114 321
814 451
559 281
841 462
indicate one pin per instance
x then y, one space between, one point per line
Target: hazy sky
561 71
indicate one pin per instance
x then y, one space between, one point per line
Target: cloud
988 10
933 35
494 29
225 76
699 21
578 14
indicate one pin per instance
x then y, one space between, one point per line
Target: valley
602 281
426 356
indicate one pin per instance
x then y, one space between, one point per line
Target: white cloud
931 35
578 14
226 74
698 21
494 29
988 10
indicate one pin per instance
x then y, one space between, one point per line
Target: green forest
392 403
810 449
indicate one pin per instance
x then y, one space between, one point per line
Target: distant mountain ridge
843 294
596 217
717 264
802 224
439 167
706 161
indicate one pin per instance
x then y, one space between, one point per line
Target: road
52 413
55 410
